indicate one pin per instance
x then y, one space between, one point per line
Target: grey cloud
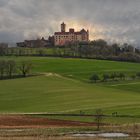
112 19
3 2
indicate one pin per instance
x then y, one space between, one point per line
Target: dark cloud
115 20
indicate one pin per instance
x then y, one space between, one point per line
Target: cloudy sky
113 20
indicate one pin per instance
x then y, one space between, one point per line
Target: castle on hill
58 39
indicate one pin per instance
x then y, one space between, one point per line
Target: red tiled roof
61 33
77 33
67 33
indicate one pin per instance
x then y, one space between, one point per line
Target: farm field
64 87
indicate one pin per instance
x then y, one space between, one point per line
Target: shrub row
112 77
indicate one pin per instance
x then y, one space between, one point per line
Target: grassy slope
61 94
55 94
79 68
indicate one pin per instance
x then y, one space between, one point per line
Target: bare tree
98 118
25 68
10 67
2 68
3 49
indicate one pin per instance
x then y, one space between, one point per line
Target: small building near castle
37 43
63 37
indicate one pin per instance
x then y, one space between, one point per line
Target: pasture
63 87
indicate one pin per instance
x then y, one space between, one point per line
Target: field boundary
70 115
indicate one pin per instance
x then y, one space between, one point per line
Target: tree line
112 77
97 49
11 69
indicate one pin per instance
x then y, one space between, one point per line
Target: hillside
63 87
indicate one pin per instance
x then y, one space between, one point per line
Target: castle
63 37
58 39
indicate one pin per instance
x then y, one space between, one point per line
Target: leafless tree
10 67
98 118
2 68
25 68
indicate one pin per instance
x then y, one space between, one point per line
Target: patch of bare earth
23 121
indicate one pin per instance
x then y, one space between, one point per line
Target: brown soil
23 121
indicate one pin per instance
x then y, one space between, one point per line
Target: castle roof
67 33
61 33
83 31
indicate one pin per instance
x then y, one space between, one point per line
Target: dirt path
23 121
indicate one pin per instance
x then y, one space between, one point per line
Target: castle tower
63 27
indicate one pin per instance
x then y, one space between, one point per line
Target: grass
80 69
55 94
69 90
106 120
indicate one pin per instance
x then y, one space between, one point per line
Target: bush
105 77
113 76
121 76
94 78
133 77
138 74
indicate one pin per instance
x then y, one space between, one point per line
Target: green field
63 88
